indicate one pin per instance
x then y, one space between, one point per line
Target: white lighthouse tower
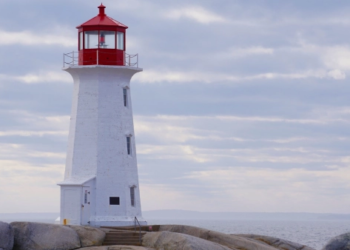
101 186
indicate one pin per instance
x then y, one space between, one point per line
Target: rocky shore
39 236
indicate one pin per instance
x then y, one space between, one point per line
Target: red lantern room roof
102 20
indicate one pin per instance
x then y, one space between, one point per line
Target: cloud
41 77
272 187
11 153
174 152
289 140
35 124
232 156
38 180
27 133
30 165
337 74
231 118
152 76
36 39
152 193
195 13
335 59
197 139
250 51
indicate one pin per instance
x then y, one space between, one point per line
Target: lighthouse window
120 40
107 39
91 39
85 197
114 201
81 41
125 95
132 196
128 144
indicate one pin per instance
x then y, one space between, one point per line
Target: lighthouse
100 186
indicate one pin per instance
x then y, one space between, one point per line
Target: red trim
125 41
102 27
102 10
102 21
105 57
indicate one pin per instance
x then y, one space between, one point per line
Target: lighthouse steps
121 237
150 228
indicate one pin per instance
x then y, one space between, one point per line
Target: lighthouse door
85 212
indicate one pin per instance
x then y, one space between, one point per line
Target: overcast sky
243 105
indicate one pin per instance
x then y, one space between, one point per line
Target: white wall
97 142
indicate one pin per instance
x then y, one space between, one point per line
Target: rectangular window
81 41
114 201
85 197
128 144
120 40
91 39
125 95
107 39
132 196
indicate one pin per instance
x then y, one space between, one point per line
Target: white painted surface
85 213
97 146
70 199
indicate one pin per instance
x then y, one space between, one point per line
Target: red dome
102 20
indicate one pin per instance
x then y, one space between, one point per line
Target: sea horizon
194 215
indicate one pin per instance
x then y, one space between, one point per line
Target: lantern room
101 41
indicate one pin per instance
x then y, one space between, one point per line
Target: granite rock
341 242
40 236
277 243
6 236
116 248
89 236
175 241
230 241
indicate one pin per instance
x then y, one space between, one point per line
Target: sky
243 106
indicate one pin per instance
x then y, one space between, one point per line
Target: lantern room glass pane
120 40
107 39
91 39
81 41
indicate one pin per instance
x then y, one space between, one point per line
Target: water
311 233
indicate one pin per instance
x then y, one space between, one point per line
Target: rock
276 242
128 248
89 236
95 248
341 242
174 241
231 241
117 248
6 236
39 236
